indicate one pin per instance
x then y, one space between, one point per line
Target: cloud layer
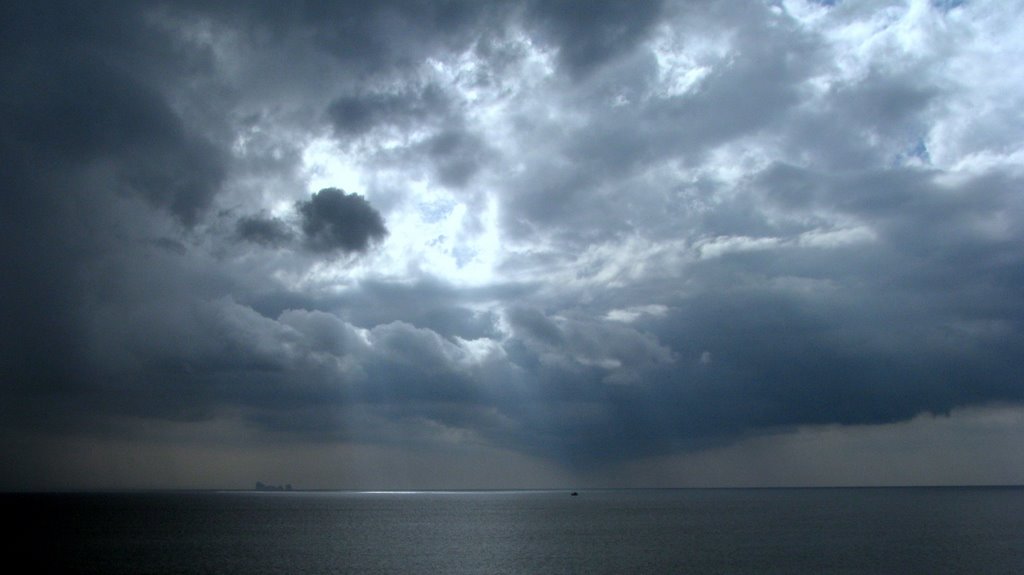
583 233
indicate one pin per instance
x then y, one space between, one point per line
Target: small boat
574 494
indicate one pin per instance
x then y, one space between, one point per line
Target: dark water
891 530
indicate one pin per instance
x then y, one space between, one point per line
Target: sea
931 530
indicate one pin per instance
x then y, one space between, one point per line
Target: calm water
892 530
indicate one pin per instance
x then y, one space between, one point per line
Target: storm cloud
263 230
581 241
334 220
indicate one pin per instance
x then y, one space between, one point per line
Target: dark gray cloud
329 221
134 122
457 156
86 133
72 103
534 325
264 230
588 34
452 152
860 126
333 220
356 115
393 33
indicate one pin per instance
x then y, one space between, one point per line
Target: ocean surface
862 530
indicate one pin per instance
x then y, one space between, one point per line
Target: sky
447 244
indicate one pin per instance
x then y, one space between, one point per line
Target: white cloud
633 313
